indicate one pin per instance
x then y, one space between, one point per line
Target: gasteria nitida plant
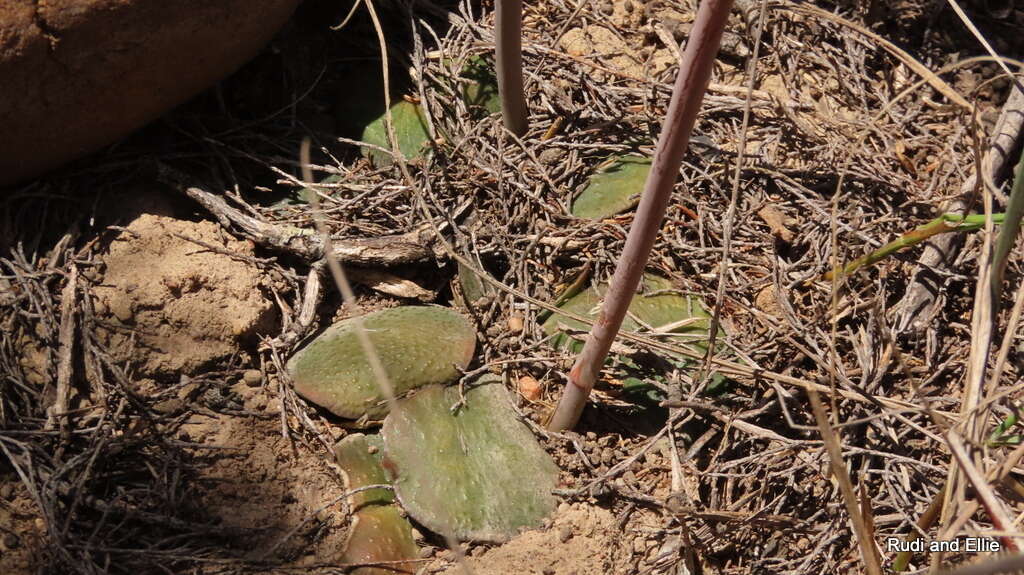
508 53
687 95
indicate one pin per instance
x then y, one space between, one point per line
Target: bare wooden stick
996 513
1005 564
508 32
687 95
414 246
66 342
865 542
919 305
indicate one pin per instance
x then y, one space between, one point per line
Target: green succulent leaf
641 392
472 287
359 457
417 345
475 474
410 130
657 308
482 88
360 112
379 532
615 188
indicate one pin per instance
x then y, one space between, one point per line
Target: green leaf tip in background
417 345
481 90
472 288
359 457
1001 434
1011 229
379 533
476 474
656 307
410 129
360 112
301 196
615 188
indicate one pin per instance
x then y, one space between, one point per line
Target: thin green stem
943 224
1008 234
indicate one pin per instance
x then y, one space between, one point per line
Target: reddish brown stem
687 95
508 31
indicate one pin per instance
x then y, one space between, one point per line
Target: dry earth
186 450
174 297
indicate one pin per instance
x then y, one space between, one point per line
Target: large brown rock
76 75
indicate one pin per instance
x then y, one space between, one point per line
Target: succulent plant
379 533
472 288
417 345
475 474
684 315
481 89
359 457
410 129
616 187
695 67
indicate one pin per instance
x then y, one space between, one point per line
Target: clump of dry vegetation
107 468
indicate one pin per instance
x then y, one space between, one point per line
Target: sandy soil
177 296
187 451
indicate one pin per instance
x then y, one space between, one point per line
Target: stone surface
81 74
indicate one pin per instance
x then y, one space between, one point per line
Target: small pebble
252 377
530 388
6 491
564 533
551 156
169 406
244 390
188 391
515 323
